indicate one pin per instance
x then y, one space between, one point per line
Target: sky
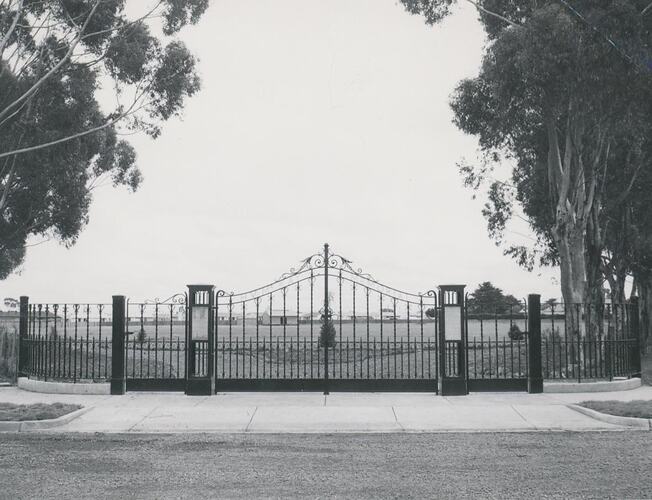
317 122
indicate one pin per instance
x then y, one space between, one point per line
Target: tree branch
56 67
494 14
11 29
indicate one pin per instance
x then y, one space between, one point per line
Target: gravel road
519 465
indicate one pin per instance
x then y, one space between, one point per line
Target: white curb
28 384
35 425
637 423
601 386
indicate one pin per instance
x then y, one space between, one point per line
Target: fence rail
67 359
586 359
72 342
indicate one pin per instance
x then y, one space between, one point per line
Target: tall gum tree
557 97
56 142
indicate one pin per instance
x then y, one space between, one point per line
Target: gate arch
275 337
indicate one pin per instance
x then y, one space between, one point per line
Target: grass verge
639 408
10 412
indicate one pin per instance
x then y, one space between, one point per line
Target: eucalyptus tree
563 95
61 63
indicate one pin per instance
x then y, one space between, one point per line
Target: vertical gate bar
429 367
58 344
497 364
270 335
312 308
482 341
277 356
140 348
76 309
237 373
244 335
354 325
368 366
304 357
382 371
171 345
40 345
298 333
264 353
421 332
375 358
489 360
156 342
257 336
408 343
326 317
394 326
284 322
340 315
511 354
88 325
46 339
65 342
231 334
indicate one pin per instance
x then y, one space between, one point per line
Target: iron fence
155 359
68 342
588 341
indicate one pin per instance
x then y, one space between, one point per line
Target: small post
535 373
118 365
452 378
22 336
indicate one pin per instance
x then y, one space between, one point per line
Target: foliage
57 143
489 299
327 332
564 98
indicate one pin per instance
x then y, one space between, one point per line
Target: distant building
278 317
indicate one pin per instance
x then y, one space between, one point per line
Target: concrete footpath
338 412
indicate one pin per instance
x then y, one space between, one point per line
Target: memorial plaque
200 323
453 318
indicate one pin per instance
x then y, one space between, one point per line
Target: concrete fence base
600 386
32 385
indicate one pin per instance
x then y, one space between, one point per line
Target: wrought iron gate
325 326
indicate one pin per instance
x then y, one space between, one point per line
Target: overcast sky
317 122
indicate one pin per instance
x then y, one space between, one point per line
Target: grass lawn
40 411
639 408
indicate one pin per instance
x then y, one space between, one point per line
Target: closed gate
326 326
322 326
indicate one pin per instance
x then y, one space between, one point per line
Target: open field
485 465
